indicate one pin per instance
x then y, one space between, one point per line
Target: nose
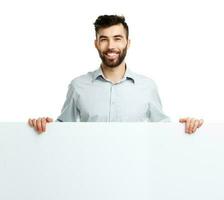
111 44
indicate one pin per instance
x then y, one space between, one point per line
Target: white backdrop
45 44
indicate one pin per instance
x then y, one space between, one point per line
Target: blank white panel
111 161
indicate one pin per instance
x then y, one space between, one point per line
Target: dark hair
105 21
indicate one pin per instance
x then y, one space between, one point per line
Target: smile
112 55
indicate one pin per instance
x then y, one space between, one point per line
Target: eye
117 39
102 40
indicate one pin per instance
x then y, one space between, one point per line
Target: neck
114 74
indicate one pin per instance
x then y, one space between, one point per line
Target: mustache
111 51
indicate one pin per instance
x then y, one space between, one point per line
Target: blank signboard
111 161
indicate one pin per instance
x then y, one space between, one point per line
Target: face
112 45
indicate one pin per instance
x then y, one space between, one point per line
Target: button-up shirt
94 98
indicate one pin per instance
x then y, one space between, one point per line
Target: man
112 92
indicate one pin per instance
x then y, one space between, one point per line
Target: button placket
112 103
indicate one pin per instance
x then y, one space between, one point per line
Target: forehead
112 31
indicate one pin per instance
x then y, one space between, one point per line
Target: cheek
122 45
101 47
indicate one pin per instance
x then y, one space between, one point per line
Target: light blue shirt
93 98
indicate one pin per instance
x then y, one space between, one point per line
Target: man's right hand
40 124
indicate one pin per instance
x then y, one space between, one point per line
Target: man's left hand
191 124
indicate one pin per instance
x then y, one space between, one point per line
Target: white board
111 161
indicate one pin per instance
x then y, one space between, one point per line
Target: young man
112 93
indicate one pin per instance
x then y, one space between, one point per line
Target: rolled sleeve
155 111
69 112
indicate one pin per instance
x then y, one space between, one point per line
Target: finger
34 123
38 125
187 124
200 123
30 122
196 123
191 125
43 123
183 120
48 119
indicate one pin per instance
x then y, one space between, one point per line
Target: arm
69 113
156 114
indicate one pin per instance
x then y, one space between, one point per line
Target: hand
191 124
40 124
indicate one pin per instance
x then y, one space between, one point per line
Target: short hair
105 21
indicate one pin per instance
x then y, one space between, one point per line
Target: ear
95 43
129 43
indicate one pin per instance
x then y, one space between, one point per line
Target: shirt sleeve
69 112
155 111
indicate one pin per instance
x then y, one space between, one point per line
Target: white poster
111 161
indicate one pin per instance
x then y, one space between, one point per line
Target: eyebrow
115 36
121 36
103 36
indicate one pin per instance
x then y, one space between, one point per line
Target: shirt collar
128 74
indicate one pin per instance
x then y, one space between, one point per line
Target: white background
44 44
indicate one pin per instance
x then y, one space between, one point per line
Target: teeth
111 54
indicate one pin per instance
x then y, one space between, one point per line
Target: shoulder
143 80
82 80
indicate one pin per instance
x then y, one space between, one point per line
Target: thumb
201 121
182 120
48 119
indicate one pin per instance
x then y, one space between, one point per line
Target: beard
113 62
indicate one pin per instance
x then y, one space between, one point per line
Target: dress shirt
94 98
